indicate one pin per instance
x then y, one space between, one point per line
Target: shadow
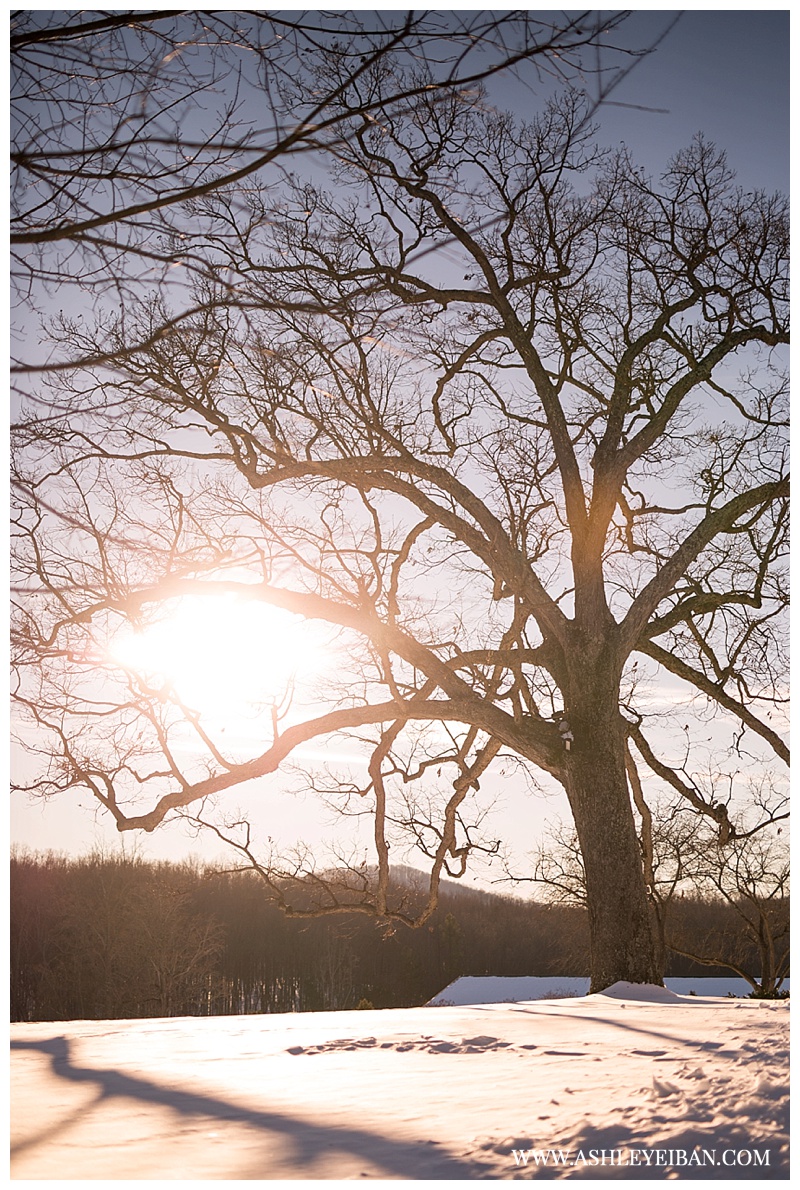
635 1027
49 1134
406 1159
427 1044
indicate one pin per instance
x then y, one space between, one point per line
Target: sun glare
224 657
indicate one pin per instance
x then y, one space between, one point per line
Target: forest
104 937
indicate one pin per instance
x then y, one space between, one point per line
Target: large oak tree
504 411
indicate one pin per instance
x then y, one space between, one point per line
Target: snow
499 989
433 1092
647 993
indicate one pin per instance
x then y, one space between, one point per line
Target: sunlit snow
436 1092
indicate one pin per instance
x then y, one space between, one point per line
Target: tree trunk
623 944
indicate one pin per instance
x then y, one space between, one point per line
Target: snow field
442 1093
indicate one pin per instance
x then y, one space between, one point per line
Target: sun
223 656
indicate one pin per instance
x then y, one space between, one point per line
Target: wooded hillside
108 937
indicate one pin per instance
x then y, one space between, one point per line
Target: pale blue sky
725 73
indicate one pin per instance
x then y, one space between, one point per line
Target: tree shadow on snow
631 1024
310 1141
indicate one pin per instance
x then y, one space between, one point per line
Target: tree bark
623 943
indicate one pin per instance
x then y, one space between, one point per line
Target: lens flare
223 656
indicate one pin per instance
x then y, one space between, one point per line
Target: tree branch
715 692
721 520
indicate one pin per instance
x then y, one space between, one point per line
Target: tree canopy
502 411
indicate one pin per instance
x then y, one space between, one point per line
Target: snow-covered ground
631 1083
510 989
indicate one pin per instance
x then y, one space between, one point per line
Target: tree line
105 937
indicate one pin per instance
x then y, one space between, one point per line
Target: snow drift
511 989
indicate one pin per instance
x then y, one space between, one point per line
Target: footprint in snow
433 1045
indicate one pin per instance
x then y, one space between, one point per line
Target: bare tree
122 120
751 876
502 411
742 870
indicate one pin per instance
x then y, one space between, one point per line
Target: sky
725 73
721 72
